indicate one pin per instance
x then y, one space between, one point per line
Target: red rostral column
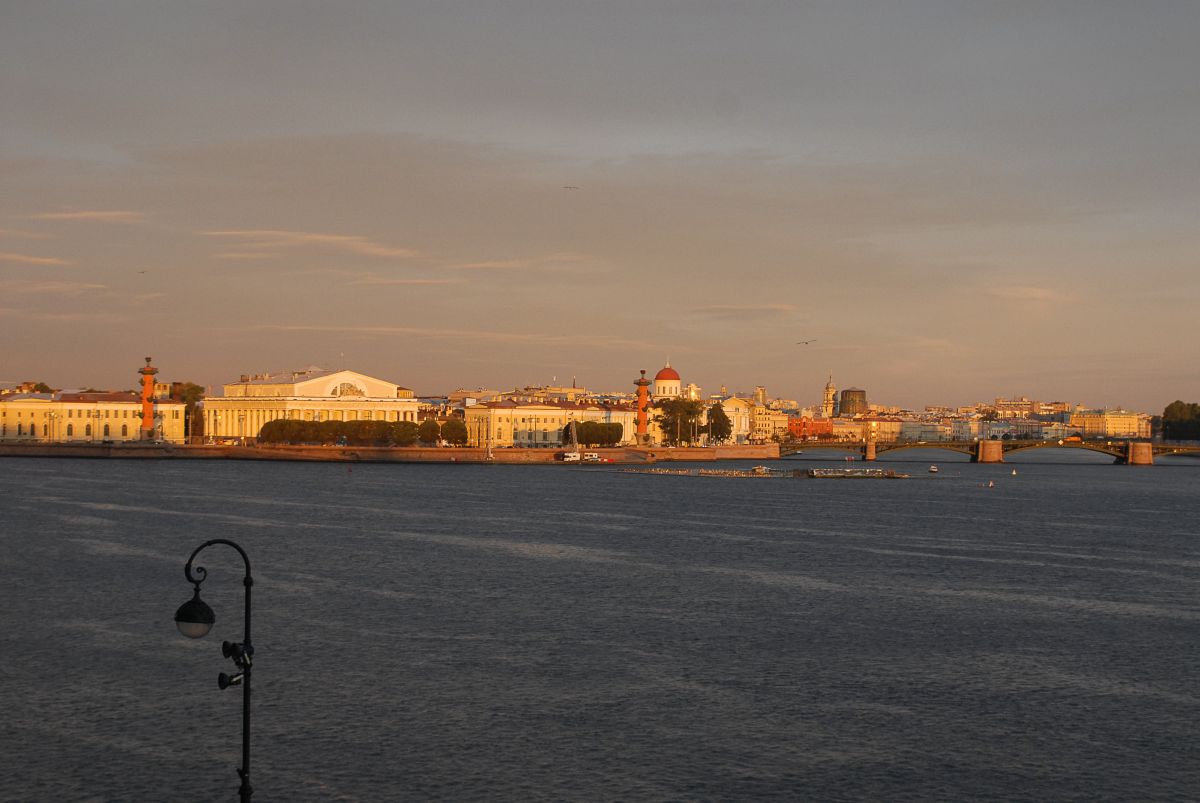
643 409
148 373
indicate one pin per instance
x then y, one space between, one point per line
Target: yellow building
544 393
1111 424
740 413
86 418
310 395
539 424
883 429
766 423
847 429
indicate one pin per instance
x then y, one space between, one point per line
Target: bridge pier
989 452
869 451
1139 454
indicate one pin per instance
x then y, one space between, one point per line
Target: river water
558 633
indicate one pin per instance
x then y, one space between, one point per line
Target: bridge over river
1124 452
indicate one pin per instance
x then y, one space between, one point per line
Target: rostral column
643 409
148 373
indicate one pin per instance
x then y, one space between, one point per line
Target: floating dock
853 474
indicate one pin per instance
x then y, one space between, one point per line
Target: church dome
666 373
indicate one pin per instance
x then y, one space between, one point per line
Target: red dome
666 373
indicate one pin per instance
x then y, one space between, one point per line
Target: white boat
933 469
1014 472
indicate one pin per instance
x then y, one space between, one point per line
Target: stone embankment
382 454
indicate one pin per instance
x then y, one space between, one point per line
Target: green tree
404 433
594 433
341 433
720 428
678 418
1181 421
429 430
189 393
454 432
989 415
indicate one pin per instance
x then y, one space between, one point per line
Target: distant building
767 424
511 423
854 402
667 384
829 400
92 417
883 429
1111 423
924 431
1016 408
463 397
804 428
545 393
846 429
310 395
740 413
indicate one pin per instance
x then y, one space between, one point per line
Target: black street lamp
194 619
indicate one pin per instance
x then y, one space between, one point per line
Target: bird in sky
805 342
570 187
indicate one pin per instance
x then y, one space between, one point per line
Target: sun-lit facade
310 395
94 417
1111 423
540 424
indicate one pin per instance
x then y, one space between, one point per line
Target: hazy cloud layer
104 216
27 259
954 200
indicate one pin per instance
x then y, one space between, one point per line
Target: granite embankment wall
380 454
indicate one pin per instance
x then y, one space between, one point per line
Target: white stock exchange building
310 395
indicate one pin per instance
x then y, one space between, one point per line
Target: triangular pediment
347 384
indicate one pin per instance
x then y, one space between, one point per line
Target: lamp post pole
194 619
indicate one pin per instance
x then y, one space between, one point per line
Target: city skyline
952 203
802 403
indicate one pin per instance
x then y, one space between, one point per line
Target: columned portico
250 404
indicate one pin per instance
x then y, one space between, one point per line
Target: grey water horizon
474 632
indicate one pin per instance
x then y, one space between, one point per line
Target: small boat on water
1014 472
933 469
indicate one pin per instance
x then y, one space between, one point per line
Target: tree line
363 433
594 433
1181 421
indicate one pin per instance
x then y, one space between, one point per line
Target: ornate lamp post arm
195 619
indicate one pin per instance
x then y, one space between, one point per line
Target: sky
953 201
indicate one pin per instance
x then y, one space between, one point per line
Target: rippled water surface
548 633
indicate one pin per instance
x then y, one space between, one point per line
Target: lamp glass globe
194 618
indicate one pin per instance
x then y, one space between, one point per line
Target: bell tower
829 401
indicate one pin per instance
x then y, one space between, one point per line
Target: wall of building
52 420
